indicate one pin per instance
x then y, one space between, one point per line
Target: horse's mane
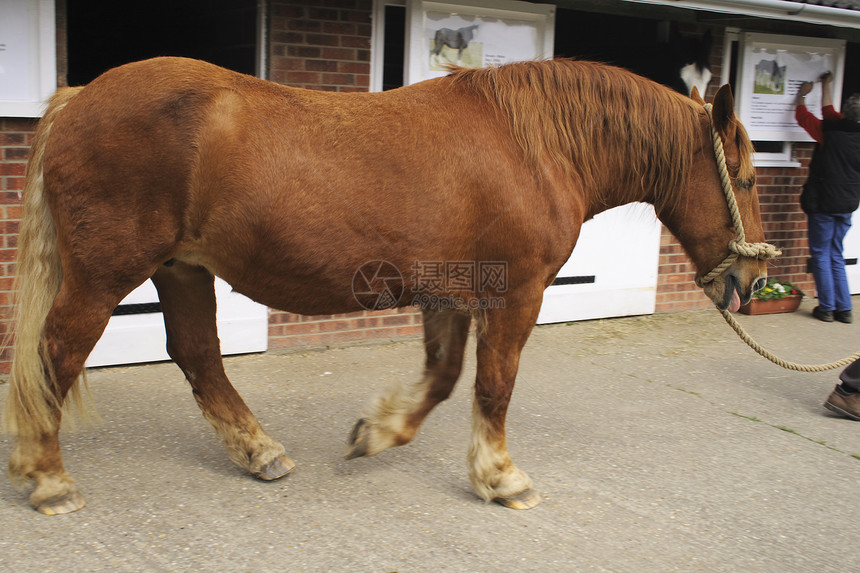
597 122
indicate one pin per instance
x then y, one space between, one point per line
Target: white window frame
262 55
40 70
782 158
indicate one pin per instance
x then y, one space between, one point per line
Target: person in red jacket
830 196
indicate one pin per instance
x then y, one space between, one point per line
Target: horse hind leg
395 416
187 295
78 316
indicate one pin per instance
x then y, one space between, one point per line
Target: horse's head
725 241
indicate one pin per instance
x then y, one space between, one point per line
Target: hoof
67 503
358 440
277 468
524 500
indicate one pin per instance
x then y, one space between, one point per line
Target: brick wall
321 44
15 138
325 45
784 221
288 330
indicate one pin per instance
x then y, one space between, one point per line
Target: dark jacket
834 173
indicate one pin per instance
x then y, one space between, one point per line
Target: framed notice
28 57
771 70
474 34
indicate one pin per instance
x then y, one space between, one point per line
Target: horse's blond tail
31 404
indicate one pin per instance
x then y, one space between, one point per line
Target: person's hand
805 88
826 78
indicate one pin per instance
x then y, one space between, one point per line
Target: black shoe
843 316
825 315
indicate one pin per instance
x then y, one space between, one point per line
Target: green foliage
776 290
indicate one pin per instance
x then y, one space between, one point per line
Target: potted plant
776 296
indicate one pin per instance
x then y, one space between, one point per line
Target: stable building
626 263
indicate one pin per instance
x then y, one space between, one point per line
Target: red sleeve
829 112
809 122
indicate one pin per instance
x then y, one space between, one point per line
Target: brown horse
177 170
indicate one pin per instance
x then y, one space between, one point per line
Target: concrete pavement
658 443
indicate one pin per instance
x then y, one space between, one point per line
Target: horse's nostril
759 284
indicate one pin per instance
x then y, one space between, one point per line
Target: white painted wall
621 248
243 326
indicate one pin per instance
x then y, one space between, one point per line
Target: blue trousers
826 232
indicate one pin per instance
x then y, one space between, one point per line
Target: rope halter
737 246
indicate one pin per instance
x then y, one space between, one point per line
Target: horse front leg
187 295
396 416
493 474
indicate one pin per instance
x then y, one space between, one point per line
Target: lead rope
788 365
761 251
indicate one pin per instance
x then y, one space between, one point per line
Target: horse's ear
694 95
724 112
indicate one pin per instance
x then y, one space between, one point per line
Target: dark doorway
851 75
395 40
656 49
103 34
